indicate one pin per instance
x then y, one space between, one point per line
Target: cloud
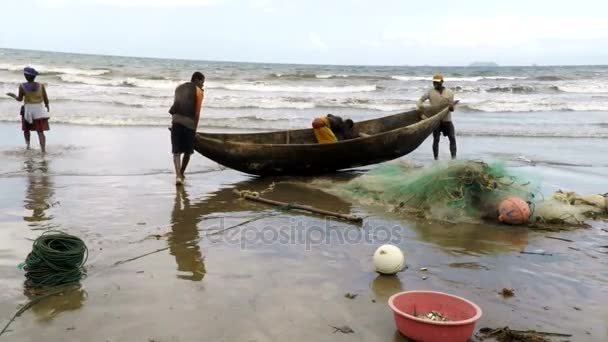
133 3
260 3
265 5
315 39
498 31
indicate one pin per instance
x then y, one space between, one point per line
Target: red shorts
38 125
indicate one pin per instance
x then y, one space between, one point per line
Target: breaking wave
51 70
262 87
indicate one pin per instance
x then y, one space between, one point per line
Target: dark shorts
182 139
446 128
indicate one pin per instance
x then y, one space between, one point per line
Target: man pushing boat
185 113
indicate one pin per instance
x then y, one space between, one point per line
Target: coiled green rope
56 258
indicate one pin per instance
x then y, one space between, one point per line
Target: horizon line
305 64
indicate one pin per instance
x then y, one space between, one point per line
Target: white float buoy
388 259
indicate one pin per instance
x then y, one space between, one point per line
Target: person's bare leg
453 146
436 138
42 140
27 136
177 164
185 162
452 138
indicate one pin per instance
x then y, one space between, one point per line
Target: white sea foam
268 103
456 79
56 70
121 82
263 87
327 76
595 87
535 106
540 132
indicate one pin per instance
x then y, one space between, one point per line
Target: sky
367 32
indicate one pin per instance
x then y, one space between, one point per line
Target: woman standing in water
35 110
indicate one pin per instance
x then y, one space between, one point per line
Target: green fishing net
451 191
469 191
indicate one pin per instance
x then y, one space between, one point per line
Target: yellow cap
438 78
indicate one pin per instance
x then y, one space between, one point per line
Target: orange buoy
513 210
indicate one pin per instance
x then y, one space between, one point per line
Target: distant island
483 64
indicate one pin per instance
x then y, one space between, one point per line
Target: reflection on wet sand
292 191
384 286
187 215
472 238
48 308
183 240
39 193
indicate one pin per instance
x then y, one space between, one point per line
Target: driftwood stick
557 238
296 206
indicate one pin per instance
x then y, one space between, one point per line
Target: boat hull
295 153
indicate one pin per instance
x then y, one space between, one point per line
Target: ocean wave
533 134
293 76
240 123
252 87
262 87
411 78
308 103
266 104
116 103
323 76
457 79
146 96
546 78
520 107
50 70
519 89
254 122
127 82
329 76
585 88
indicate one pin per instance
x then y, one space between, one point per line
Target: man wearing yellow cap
440 96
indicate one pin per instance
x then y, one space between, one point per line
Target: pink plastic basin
462 315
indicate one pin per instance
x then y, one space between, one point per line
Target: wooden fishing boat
296 152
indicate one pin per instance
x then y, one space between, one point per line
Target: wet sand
284 275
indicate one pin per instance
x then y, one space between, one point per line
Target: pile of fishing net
571 208
462 191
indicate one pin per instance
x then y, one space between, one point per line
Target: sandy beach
284 275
